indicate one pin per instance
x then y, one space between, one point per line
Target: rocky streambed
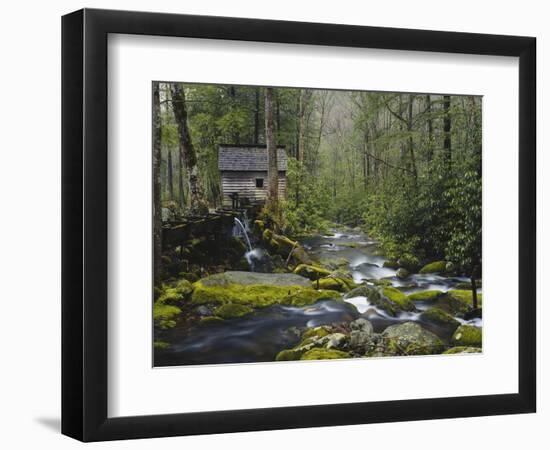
343 299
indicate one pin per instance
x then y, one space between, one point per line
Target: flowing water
259 336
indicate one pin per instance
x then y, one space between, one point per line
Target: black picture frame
84 224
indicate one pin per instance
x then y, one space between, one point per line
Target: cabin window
259 182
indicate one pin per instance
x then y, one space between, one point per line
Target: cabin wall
245 184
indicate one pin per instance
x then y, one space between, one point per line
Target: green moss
315 333
169 295
332 283
184 287
278 242
231 310
434 267
465 296
462 349
425 296
259 295
310 271
400 299
165 315
303 297
375 297
336 281
161 345
288 355
210 320
440 317
323 353
468 336
380 282
260 225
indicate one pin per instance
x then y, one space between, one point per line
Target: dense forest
403 168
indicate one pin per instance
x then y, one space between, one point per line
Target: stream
259 336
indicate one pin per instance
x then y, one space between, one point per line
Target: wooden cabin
243 173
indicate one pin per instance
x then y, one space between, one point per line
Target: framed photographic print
274 224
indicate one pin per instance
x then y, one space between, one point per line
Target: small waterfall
241 227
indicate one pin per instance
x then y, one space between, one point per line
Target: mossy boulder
361 338
335 340
454 305
323 353
439 317
360 291
288 355
465 296
380 281
167 306
410 338
312 334
425 296
161 345
184 287
254 278
467 336
398 298
373 294
174 293
362 324
258 290
310 271
232 310
259 296
333 284
210 320
434 267
462 349
339 280
402 273
164 315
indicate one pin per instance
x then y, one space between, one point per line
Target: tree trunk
447 131
198 205
410 143
302 125
232 94
271 143
170 176
257 115
181 192
157 207
430 127
366 159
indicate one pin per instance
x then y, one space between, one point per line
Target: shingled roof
248 158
